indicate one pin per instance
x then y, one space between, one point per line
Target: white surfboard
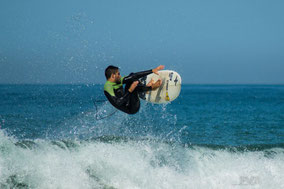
167 92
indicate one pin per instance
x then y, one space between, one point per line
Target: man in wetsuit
127 100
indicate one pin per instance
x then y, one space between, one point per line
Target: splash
118 162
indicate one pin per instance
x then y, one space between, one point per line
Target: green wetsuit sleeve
118 102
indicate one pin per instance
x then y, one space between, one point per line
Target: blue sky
207 42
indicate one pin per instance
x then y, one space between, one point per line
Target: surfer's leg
133 104
134 101
140 87
150 86
143 88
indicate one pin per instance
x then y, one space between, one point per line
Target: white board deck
167 92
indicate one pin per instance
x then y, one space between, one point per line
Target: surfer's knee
133 111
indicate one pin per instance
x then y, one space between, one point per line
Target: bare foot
150 83
157 84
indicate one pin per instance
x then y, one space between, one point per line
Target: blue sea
211 136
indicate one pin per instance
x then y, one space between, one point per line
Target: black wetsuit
121 98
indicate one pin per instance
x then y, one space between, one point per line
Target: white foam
135 164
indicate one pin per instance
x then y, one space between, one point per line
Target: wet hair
110 70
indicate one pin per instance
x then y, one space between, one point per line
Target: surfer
127 100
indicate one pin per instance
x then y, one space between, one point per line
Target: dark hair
110 70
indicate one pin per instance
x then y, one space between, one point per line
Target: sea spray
210 137
113 162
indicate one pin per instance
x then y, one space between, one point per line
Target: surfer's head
112 73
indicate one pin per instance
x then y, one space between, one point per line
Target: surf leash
96 107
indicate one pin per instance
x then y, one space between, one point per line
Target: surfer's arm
135 76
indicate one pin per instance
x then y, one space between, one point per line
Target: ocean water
212 136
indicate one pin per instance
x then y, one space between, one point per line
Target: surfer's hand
155 71
133 86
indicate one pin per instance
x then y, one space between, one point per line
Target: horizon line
103 83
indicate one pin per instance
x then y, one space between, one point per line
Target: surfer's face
117 77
